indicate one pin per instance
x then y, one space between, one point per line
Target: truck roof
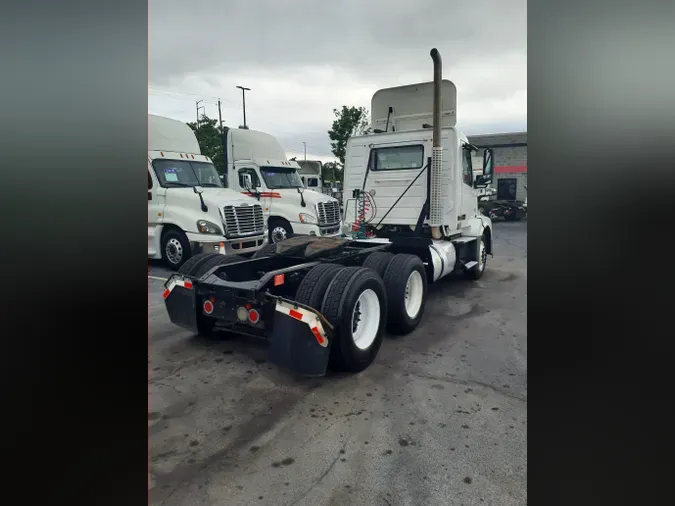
166 134
244 144
412 106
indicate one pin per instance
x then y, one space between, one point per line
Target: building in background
510 169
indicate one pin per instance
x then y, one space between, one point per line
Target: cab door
155 215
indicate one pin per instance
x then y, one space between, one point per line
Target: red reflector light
208 307
188 285
278 280
254 316
317 334
295 314
166 293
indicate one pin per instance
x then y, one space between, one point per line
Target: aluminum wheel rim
414 293
482 255
365 319
174 251
278 234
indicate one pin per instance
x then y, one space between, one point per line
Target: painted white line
157 278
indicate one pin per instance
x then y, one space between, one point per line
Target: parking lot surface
440 418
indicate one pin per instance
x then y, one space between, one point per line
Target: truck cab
412 177
189 209
310 174
258 167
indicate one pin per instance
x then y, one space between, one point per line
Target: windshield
180 173
281 177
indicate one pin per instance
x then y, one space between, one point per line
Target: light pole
305 145
243 98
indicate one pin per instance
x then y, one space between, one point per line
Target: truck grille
243 220
329 212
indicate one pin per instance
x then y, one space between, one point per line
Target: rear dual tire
406 281
355 303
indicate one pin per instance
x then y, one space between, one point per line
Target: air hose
364 204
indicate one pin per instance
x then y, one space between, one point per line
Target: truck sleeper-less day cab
257 166
327 301
189 210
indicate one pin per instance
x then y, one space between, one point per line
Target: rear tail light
208 307
253 316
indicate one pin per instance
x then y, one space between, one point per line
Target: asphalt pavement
440 418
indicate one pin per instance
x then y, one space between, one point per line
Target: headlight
206 227
307 218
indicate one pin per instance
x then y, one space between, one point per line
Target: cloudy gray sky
302 58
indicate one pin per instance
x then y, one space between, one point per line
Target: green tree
349 121
331 171
210 141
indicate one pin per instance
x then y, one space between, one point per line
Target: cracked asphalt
440 418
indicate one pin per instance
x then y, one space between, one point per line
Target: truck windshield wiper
211 185
175 183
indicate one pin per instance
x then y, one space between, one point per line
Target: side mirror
198 189
488 166
248 182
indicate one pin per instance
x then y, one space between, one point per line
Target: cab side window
255 181
467 172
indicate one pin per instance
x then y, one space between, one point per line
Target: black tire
193 262
279 223
267 250
338 307
399 271
477 271
378 261
217 259
512 217
313 286
178 242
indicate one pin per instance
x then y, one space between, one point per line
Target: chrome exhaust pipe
435 207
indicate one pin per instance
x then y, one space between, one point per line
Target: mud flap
180 302
298 341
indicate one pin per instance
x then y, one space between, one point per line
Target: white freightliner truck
326 301
257 166
310 174
189 210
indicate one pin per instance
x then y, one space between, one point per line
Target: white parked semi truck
327 301
310 174
257 166
189 209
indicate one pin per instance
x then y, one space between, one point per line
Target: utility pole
305 145
220 117
243 98
198 108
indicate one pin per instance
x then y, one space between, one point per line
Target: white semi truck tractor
190 212
327 301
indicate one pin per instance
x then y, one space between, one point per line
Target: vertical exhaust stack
435 204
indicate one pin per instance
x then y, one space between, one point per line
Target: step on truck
257 166
189 209
326 301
